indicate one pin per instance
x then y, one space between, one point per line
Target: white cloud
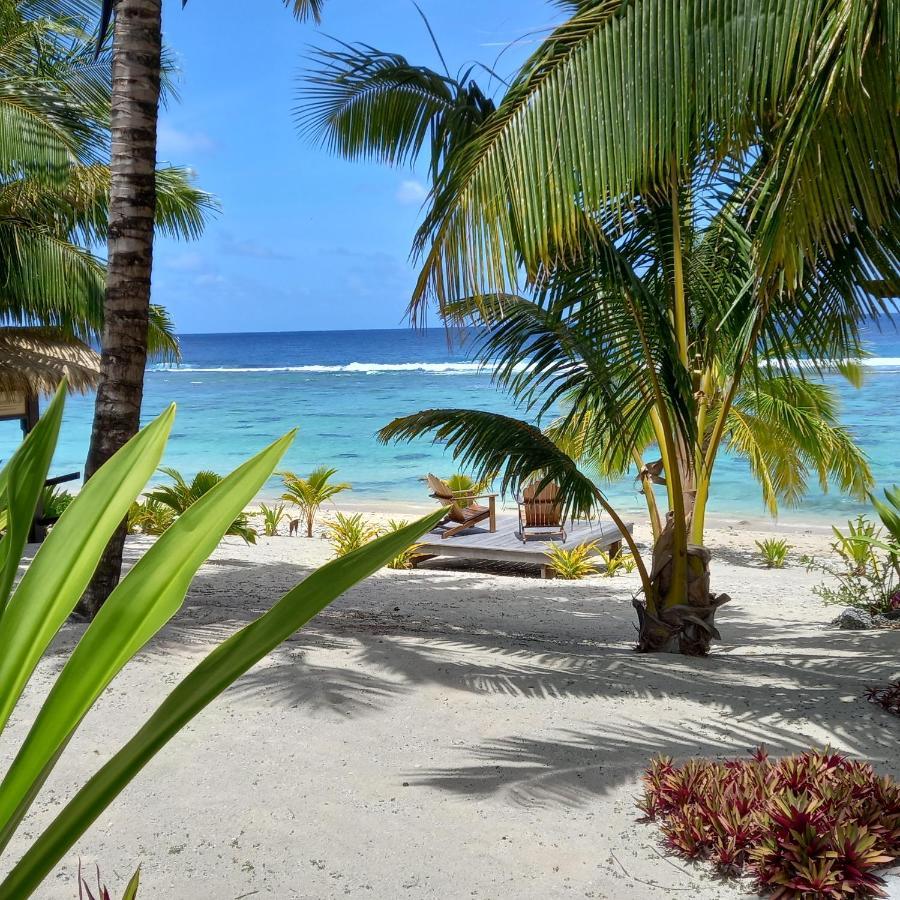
173 142
411 192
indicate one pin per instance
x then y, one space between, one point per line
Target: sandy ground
454 733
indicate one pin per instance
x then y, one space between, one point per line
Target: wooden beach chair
540 513
464 511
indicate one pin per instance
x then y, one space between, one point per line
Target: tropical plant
150 594
573 564
888 698
149 516
346 533
631 315
310 493
889 513
55 501
813 825
460 483
182 494
868 574
85 892
137 45
615 562
406 558
774 552
273 516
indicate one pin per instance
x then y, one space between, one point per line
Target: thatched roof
35 360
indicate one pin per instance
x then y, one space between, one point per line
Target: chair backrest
444 495
542 508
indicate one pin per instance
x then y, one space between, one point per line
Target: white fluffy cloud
411 192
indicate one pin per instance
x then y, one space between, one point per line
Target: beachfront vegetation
132 100
406 558
347 533
888 698
272 516
813 825
85 892
149 516
774 552
181 495
666 278
617 562
312 492
867 573
467 485
150 594
55 501
575 563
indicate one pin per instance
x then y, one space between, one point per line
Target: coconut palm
181 495
309 494
137 65
659 336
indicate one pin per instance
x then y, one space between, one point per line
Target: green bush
273 516
774 552
574 564
348 533
147 597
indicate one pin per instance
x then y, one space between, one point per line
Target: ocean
237 392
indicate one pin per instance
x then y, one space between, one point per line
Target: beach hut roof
35 360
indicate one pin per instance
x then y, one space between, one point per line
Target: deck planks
505 545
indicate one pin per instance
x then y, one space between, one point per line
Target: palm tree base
681 621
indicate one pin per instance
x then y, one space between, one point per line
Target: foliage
149 516
868 574
616 562
347 534
55 501
574 564
85 892
889 513
813 825
181 495
774 552
147 597
403 560
886 697
310 493
272 518
460 483
55 193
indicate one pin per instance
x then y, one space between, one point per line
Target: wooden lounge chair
464 511
540 513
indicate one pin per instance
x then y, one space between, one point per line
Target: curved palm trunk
137 46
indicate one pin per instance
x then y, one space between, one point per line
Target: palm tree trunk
137 43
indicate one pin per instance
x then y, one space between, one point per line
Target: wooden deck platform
505 544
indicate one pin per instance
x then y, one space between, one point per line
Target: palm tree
309 494
539 197
659 336
182 494
137 64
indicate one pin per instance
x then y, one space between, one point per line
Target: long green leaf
211 677
23 481
62 568
143 602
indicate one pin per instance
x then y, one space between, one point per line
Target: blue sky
304 241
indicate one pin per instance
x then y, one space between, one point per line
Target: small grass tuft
774 552
574 564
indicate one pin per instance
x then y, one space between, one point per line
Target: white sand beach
452 732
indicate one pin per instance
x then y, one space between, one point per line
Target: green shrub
273 516
149 517
181 495
774 552
55 501
813 825
348 533
616 562
309 494
574 564
146 598
403 560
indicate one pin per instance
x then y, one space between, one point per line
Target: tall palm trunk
137 43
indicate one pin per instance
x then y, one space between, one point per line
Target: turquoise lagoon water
237 392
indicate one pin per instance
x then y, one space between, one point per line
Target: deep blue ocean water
237 392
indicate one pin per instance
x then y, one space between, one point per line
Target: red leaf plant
813 825
886 697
